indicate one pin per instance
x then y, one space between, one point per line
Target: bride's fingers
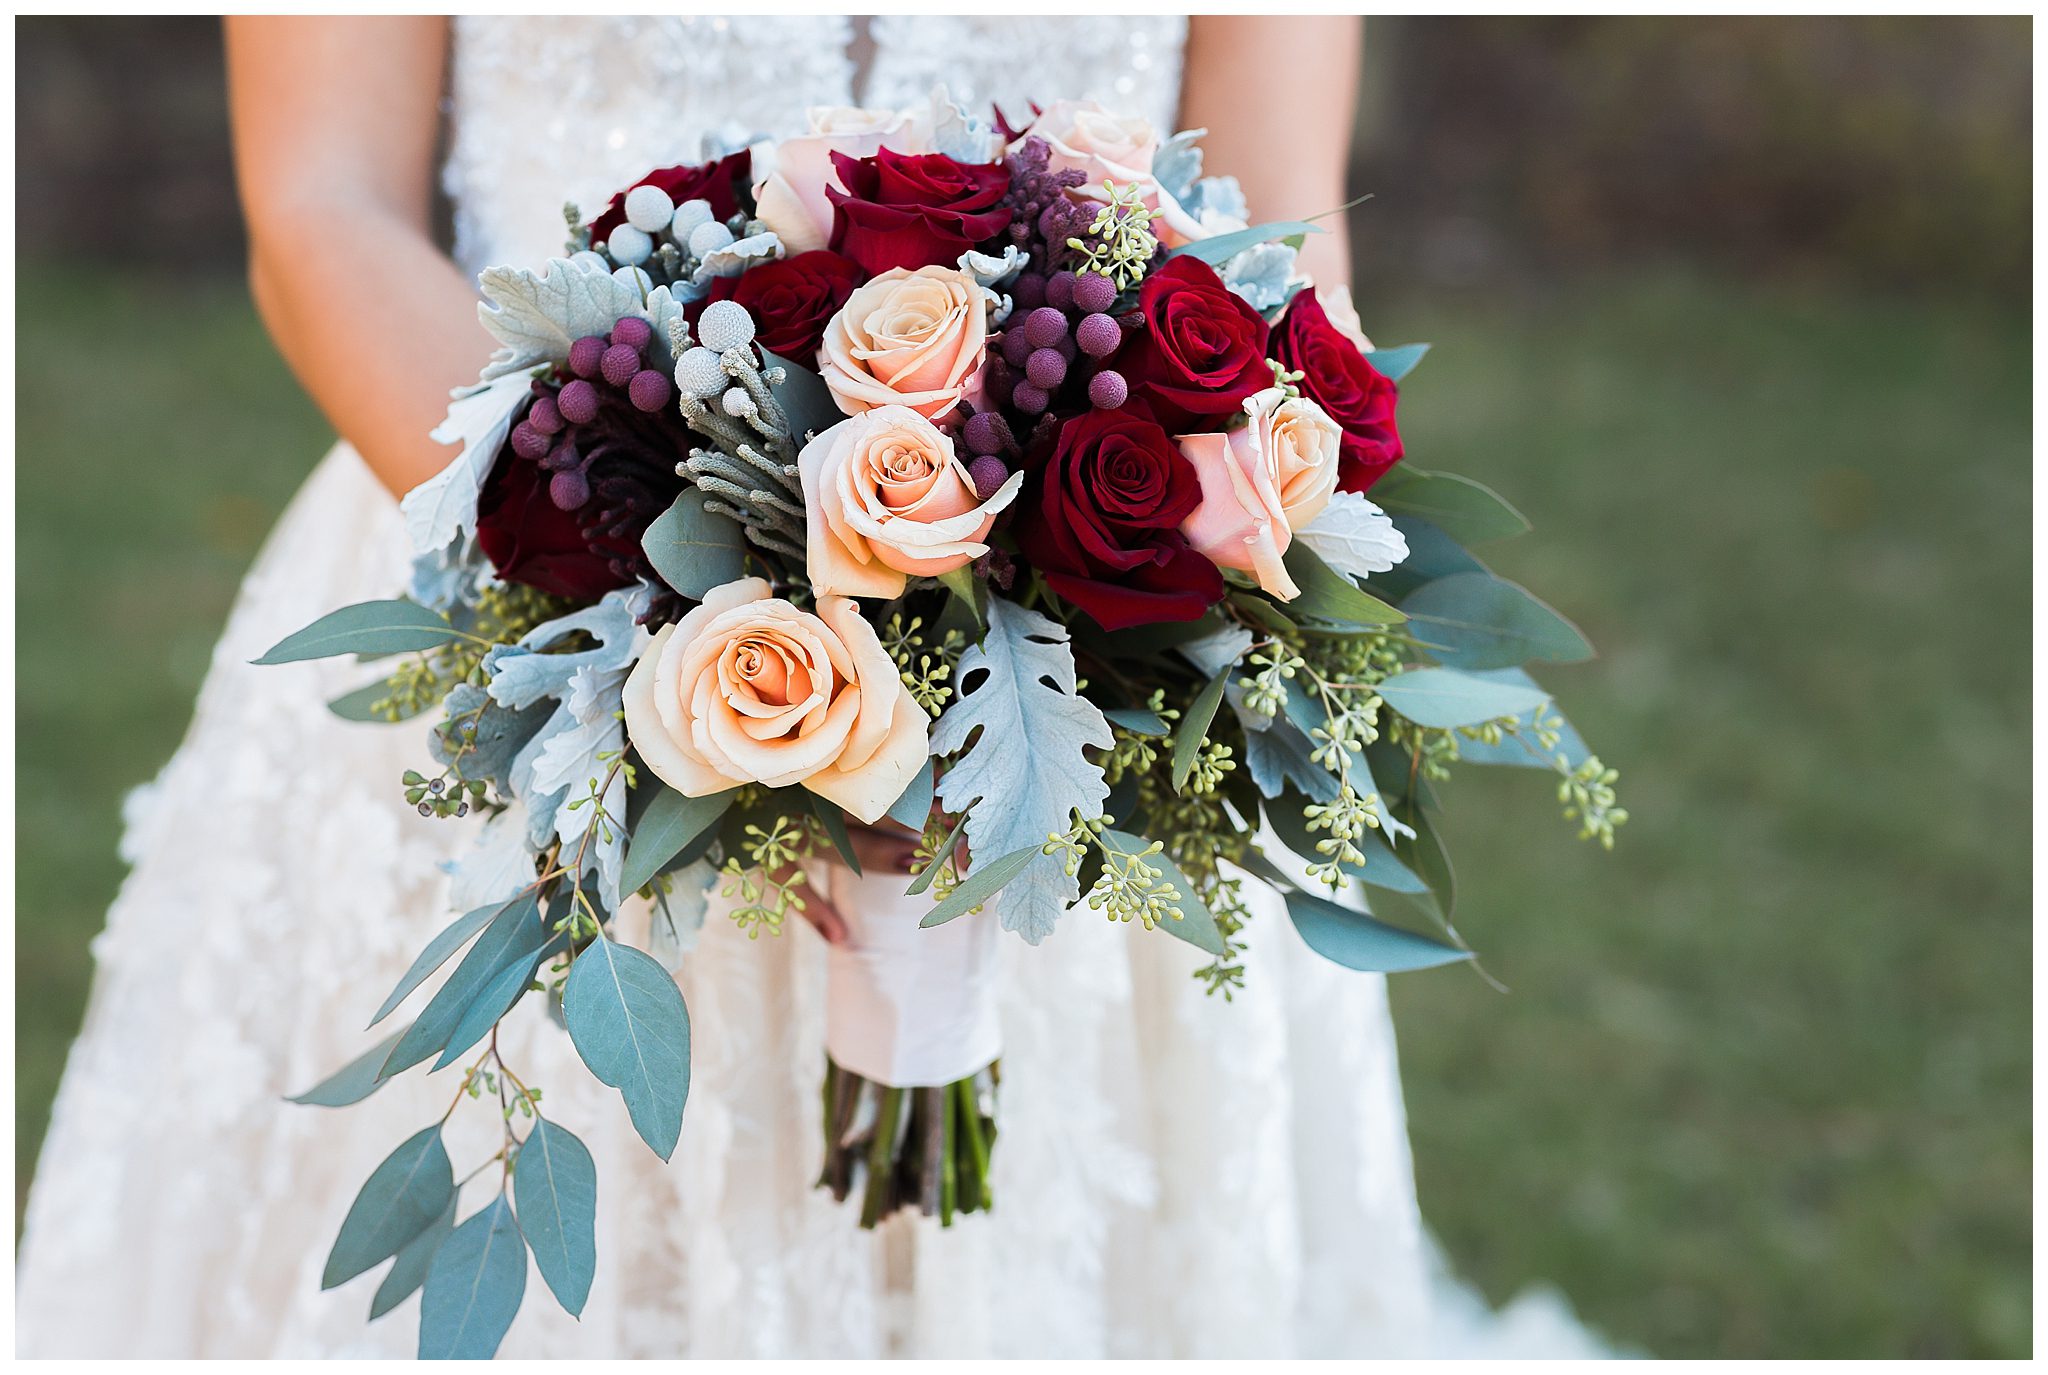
823 916
884 850
817 909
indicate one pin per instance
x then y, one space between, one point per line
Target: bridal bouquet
1001 484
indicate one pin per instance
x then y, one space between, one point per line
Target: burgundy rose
722 183
530 540
1202 350
791 300
1341 380
900 210
1101 520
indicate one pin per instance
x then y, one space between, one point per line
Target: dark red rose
900 210
1202 350
722 183
791 300
1337 377
530 540
1101 521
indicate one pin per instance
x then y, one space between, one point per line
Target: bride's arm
335 123
1277 96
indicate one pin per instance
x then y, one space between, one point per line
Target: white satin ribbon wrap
905 1006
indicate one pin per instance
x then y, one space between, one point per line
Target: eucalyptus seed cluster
435 797
927 670
1127 888
1343 822
1119 244
1198 830
1587 793
769 880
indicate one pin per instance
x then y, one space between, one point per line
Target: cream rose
748 689
885 496
1116 148
915 339
1262 483
790 199
1343 314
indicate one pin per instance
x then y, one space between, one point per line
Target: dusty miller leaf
444 506
537 315
1027 765
1354 536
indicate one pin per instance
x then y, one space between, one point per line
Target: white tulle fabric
1176 1176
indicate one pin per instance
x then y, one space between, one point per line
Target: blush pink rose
1116 148
1261 483
747 688
791 200
886 498
908 338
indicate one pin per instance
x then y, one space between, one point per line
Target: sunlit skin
335 124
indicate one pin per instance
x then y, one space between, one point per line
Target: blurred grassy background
1761 1087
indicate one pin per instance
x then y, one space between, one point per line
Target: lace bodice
553 109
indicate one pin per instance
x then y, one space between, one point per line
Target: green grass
1762 1084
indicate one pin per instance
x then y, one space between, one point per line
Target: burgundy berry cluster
1057 338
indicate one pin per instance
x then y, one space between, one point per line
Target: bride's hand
883 848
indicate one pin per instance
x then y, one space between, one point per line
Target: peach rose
1261 483
748 689
886 497
905 338
791 198
1114 148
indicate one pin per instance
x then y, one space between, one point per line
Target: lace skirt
1176 1175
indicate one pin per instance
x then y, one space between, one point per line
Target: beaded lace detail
1176 1175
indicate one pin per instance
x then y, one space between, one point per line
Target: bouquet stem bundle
926 1148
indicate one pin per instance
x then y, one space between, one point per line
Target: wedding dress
1177 1175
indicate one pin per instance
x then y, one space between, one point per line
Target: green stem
875 1202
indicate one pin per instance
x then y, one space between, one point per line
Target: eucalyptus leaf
354 1081
1469 512
1476 620
1397 362
1197 924
356 706
1138 721
1522 750
437 952
1220 248
914 807
970 591
401 1199
1327 595
1281 755
1445 697
497 997
983 882
474 1287
507 942
1432 554
804 398
834 821
1194 727
555 1185
1357 941
627 1020
931 871
669 824
409 1270
386 627
695 550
